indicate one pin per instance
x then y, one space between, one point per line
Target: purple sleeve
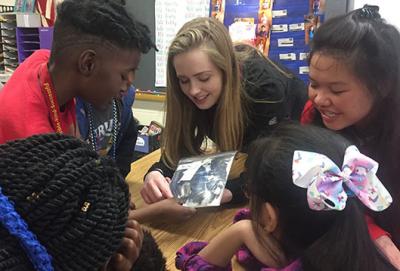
243 255
242 214
187 257
188 260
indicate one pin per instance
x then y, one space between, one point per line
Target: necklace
92 133
50 97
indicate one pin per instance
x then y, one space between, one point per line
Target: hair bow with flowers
328 186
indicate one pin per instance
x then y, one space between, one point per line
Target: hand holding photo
199 181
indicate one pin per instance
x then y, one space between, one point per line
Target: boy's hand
165 210
171 210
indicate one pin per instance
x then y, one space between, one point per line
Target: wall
143 10
146 111
387 8
7 2
336 7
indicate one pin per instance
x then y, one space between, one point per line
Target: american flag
47 9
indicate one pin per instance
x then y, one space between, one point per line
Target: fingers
226 196
134 232
166 190
132 205
129 250
150 193
119 262
155 188
131 214
145 197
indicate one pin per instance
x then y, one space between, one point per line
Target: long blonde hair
186 126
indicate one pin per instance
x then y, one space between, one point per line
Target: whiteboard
170 15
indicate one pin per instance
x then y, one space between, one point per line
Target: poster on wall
170 15
248 21
25 6
314 18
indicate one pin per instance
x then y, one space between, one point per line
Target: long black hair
371 48
322 240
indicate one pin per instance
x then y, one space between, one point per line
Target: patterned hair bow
328 187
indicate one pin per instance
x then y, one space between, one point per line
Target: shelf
146 96
20 35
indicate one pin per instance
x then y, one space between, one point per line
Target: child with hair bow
307 188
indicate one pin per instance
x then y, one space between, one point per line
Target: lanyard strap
49 94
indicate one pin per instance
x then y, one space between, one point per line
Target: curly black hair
150 257
98 21
73 200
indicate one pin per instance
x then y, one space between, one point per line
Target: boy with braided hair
62 207
96 50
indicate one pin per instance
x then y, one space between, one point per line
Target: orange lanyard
49 94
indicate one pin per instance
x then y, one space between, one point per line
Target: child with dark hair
62 207
355 90
111 130
96 49
306 186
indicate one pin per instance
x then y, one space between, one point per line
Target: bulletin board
266 16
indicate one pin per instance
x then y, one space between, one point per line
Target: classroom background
281 29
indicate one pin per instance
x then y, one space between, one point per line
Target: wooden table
204 225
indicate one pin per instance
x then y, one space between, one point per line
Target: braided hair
74 201
87 21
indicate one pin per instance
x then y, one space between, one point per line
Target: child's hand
155 188
129 250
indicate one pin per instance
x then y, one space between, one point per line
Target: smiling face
341 98
199 78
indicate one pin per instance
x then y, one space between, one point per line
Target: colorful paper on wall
24 6
248 21
314 18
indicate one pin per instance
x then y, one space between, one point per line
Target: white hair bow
328 187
